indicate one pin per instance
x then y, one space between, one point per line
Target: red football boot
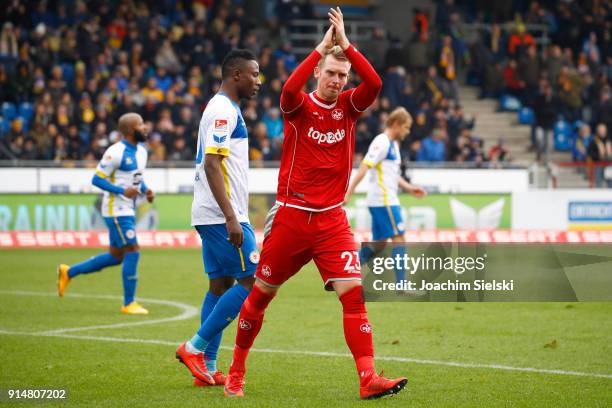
234 384
218 376
195 364
378 386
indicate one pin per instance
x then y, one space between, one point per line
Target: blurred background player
220 214
383 162
120 175
308 222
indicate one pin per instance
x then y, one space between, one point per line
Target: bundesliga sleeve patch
221 125
220 131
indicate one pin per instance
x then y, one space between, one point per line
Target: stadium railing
305 34
594 171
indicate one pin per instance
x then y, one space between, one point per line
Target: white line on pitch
55 333
188 311
321 354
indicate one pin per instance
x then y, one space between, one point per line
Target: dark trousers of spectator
600 179
541 138
570 114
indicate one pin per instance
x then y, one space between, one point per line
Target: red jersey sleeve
365 94
292 96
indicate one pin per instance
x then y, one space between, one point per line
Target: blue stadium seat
9 111
509 103
4 126
26 110
562 135
67 72
526 116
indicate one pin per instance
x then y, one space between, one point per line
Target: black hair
234 60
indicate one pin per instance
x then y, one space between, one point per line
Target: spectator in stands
546 108
7 92
433 148
570 85
493 80
603 110
600 150
514 85
446 64
432 88
274 125
180 151
591 49
499 152
461 149
60 151
581 144
420 24
529 71
16 130
152 92
553 61
157 150
496 41
519 41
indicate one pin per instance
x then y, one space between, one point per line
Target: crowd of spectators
566 82
69 69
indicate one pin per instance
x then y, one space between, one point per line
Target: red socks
358 332
357 329
249 324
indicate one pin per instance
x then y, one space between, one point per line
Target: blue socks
93 264
129 271
225 311
129 274
401 251
213 346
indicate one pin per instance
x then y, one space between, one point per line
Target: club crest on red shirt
337 114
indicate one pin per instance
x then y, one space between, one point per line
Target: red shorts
294 237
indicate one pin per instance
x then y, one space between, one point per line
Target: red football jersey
317 153
319 142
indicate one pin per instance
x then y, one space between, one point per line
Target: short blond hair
398 115
336 52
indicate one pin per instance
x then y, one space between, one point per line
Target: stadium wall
175 180
48 220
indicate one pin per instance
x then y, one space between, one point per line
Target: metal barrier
304 35
598 174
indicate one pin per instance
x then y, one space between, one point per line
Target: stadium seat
4 126
509 103
562 135
67 72
526 116
9 111
26 110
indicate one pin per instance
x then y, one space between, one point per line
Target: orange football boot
379 386
218 376
195 364
234 384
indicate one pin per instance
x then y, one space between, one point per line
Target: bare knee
265 288
117 253
218 286
247 282
342 287
131 248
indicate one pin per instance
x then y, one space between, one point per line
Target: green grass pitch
134 365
